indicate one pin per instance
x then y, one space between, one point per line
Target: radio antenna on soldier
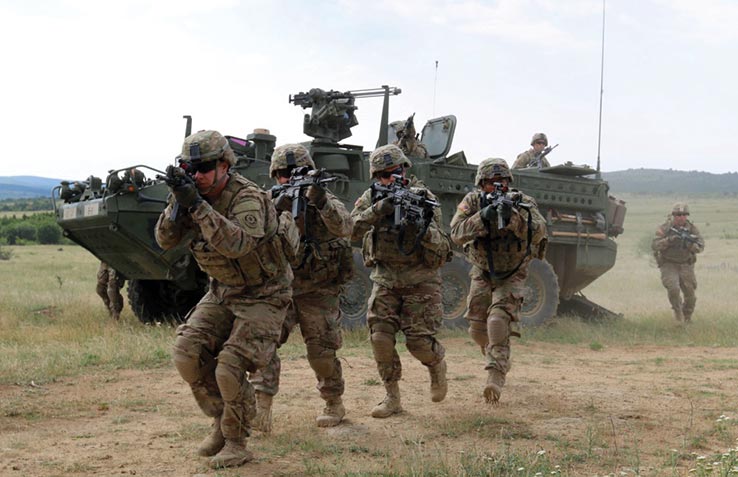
435 81
602 82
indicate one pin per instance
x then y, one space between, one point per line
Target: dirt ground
594 411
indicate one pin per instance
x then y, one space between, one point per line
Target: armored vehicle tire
355 296
541 295
455 290
161 301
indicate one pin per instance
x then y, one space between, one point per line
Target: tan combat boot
214 442
263 419
493 388
439 386
233 454
391 402
332 413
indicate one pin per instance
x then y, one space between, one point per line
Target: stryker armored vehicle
115 220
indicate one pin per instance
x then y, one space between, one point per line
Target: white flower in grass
540 452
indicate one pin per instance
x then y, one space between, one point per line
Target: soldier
324 263
109 283
406 295
528 158
241 243
675 246
407 139
499 259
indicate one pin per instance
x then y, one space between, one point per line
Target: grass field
53 329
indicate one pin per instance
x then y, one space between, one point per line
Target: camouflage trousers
491 306
417 311
319 316
109 283
221 342
679 279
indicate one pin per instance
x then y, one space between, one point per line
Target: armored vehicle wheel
455 289
542 294
355 296
161 301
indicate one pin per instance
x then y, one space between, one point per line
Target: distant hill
635 181
22 187
661 181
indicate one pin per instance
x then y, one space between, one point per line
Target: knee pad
424 350
498 330
186 357
384 345
230 375
323 367
478 332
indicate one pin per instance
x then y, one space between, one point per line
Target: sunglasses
387 174
203 167
680 215
541 143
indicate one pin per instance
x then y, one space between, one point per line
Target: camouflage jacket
508 245
325 255
669 247
411 147
525 159
392 268
234 240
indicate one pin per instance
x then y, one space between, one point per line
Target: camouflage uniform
495 301
324 263
409 144
235 328
676 258
406 295
109 283
527 158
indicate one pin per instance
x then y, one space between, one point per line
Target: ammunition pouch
253 269
330 261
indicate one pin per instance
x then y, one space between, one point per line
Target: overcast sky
90 85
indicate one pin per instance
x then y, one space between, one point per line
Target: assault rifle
684 235
410 208
537 160
405 135
503 202
301 178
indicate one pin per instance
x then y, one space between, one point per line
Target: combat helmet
206 146
288 156
494 166
387 156
680 208
539 137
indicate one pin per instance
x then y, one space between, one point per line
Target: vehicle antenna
602 82
435 81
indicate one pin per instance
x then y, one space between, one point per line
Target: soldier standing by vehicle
406 295
109 283
323 264
675 246
501 230
239 241
528 158
407 138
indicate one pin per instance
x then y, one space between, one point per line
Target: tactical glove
316 196
488 214
186 195
283 202
385 206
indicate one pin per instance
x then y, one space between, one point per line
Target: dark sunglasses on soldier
203 167
387 174
286 173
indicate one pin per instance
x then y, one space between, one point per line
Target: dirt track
593 412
